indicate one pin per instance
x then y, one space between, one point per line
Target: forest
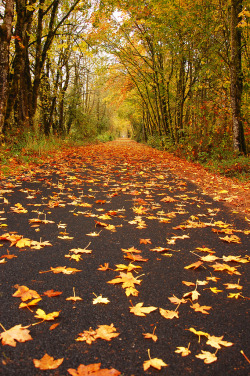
170 73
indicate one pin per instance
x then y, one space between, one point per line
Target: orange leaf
93 369
16 333
145 241
25 293
51 293
47 362
195 265
104 267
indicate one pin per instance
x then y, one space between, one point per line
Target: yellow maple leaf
155 363
207 357
169 314
139 310
217 342
99 299
40 314
184 351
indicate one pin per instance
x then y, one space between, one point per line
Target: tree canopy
170 72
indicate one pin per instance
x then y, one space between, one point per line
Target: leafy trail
113 263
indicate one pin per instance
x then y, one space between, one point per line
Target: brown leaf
47 362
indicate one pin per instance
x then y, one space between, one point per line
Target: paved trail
116 200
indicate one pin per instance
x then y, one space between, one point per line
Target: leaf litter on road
136 195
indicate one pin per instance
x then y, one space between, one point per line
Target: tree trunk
5 37
236 78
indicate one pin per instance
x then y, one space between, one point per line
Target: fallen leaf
235 296
150 336
217 342
155 363
106 332
188 283
135 257
16 333
139 310
131 250
224 267
231 239
40 314
215 290
31 303
232 286
100 299
169 314
93 369
207 357
176 300
25 293
194 294
52 327
52 293
209 258
199 333
61 269
47 362
202 309
145 241
127 280
184 351
195 265
104 267
129 267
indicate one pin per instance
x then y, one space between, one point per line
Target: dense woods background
172 73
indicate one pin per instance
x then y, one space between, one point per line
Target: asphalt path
129 198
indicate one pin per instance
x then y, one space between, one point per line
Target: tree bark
236 78
5 37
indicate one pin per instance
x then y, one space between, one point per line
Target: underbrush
217 159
